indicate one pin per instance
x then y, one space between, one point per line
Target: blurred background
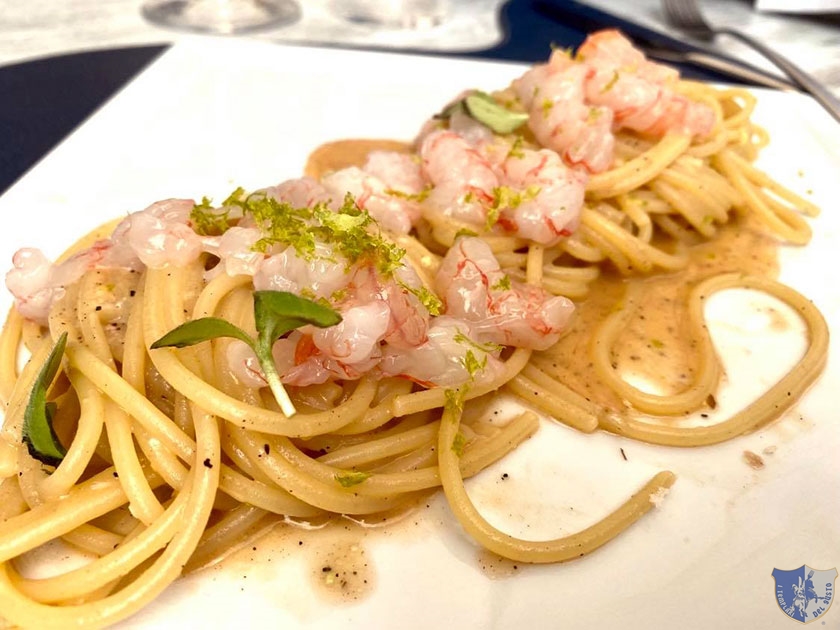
804 30
60 61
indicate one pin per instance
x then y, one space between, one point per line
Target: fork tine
686 15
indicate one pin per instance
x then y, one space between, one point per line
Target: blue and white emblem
804 594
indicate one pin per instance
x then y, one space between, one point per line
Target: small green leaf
38 433
278 312
350 479
484 108
198 330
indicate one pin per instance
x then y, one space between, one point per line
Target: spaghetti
450 290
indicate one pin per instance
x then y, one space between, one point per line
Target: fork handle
804 80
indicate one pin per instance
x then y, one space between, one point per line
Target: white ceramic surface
212 115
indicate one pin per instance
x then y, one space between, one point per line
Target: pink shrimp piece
324 273
161 235
500 309
32 282
551 196
398 171
463 178
36 282
357 336
300 362
303 192
394 212
235 249
448 358
639 91
408 319
560 117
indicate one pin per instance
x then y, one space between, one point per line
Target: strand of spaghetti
269 498
761 179
566 289
553 397
223 405
790 227
83 446
607 248
92 576
133 367
224 535
700 190
478 454
379 448
12 429
169 434
141 499
374 418
92 539
330 497
217 290
768 406
23 611
640 170
705 181
87 315
96 496
556 550
338 441
690 211
692 397
423 400
10 337
119 521
641 255
131 401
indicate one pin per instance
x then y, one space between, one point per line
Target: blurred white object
224 17
413 14
798 6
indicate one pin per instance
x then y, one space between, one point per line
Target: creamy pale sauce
333 549
656 345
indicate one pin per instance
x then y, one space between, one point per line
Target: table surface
39 28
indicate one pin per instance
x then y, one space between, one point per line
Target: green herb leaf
38 433
278 312
275 314
351 478
484 108
198 330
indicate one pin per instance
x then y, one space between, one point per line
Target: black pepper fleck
208 463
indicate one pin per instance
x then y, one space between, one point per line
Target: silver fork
686 15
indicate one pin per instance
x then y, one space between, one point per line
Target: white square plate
211 115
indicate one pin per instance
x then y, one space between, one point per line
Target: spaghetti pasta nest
308 349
